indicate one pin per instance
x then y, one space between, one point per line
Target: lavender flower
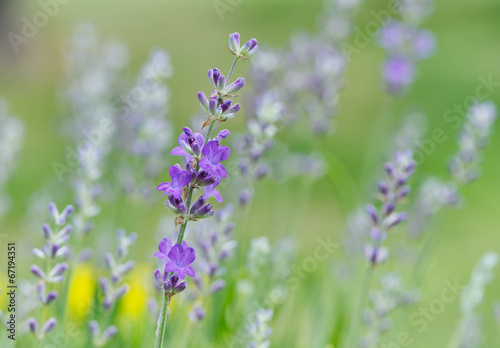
180 260
406 45
11 142
464 166
114 288
203 168
245 51
260 331
469 334
144 128
101 339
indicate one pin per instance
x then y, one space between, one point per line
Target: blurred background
195 35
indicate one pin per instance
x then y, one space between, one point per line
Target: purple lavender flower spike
213 155
398 74
180 178
180 259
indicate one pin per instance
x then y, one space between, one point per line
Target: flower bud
234 42
203 101
236 86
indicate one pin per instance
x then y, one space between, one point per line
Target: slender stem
209 133
353 332
160 328
231 70
183 226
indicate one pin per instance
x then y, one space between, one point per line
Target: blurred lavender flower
114 287
433 195
469 334
145 131
11 142
202 169
215 247
464 166
406 45
100 339
55 248
392 190
259 330
383 302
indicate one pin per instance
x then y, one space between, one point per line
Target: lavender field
249 173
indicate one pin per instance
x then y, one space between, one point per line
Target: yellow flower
81 291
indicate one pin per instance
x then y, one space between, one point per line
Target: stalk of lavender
53 250
213 239
468 333
464 168
11 141
145 132
202 169
392 190
406 44
113 288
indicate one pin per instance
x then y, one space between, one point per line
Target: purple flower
180 178
217 80
249 48
234 42
423 44
211 191
398 73
213 155
180 259
175 205
164 248
189 144
236 86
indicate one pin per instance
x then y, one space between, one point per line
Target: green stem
231 70
353 332
183 226
160 329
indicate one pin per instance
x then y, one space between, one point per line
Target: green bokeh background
468 47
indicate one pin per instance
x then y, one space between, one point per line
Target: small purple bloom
180 260
215 154
234 42
203 101
180 178
48 326
249 48
236 86
222 135
189 145
211 191
398 74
